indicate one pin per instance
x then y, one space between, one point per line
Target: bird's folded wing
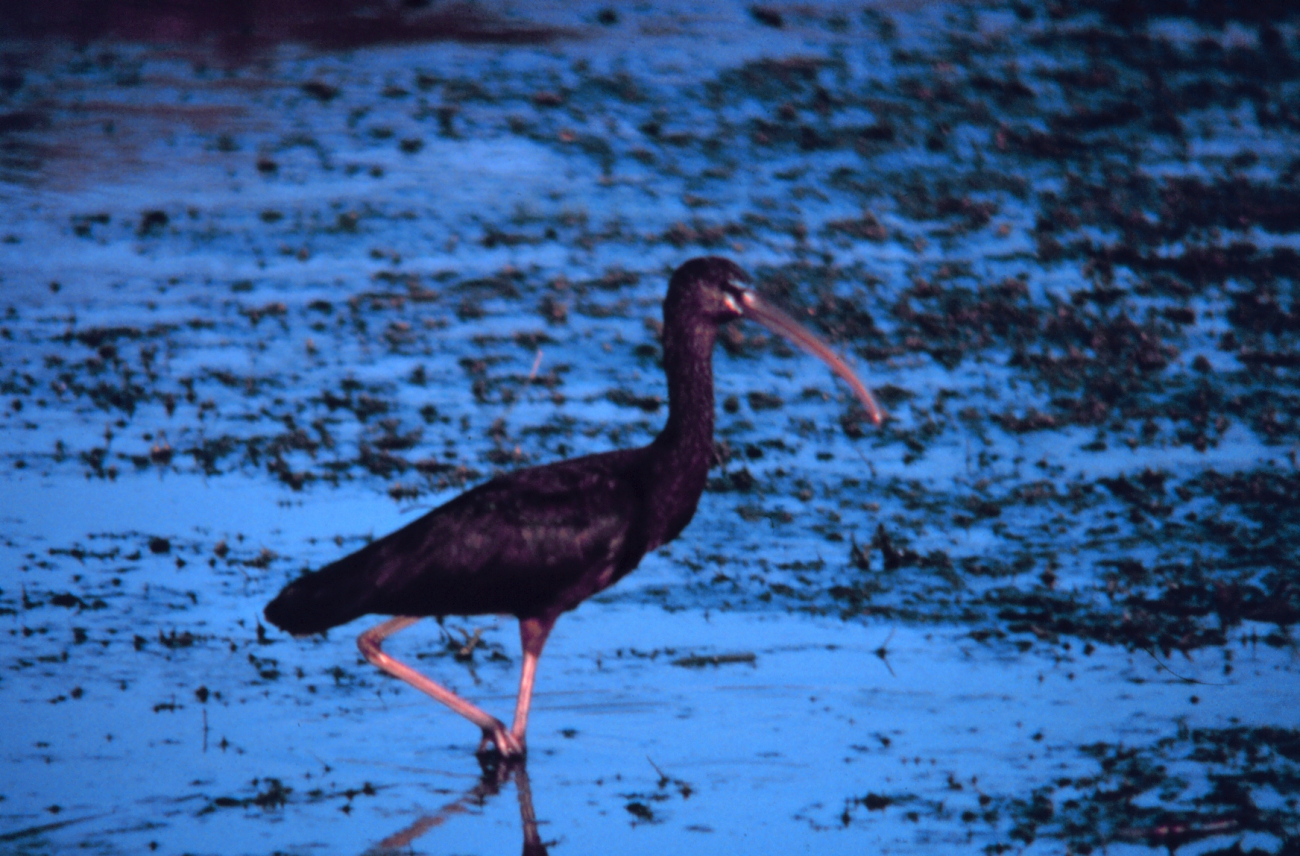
527 540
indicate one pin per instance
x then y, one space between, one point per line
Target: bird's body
530 543
537 542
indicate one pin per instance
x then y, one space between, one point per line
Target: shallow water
771 752
267 296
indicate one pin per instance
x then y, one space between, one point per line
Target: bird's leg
494 730
532 635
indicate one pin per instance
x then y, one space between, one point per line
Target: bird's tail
315 602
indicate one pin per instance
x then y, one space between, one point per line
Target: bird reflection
496 773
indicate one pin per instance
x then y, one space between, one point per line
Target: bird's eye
734 295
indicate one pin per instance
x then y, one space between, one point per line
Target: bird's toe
497 740
509 745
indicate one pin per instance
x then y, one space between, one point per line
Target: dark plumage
523 544
537 542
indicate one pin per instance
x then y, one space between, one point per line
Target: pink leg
532 635
494 730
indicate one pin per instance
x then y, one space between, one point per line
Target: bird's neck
680 456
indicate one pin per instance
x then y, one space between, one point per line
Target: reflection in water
496 772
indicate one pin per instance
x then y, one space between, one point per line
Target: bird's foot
497 740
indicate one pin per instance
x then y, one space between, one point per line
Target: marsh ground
274 286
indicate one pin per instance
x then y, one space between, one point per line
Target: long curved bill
757 309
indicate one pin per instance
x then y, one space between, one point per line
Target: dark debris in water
1204 572
696 661
271 794
1213 785
1207 783
642 805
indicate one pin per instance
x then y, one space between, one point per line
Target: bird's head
713 288
708 288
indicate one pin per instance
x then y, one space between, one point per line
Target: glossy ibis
537 542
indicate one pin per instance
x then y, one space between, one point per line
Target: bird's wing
530 541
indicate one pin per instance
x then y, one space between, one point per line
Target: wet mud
268 292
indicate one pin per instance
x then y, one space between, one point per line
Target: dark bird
537 542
